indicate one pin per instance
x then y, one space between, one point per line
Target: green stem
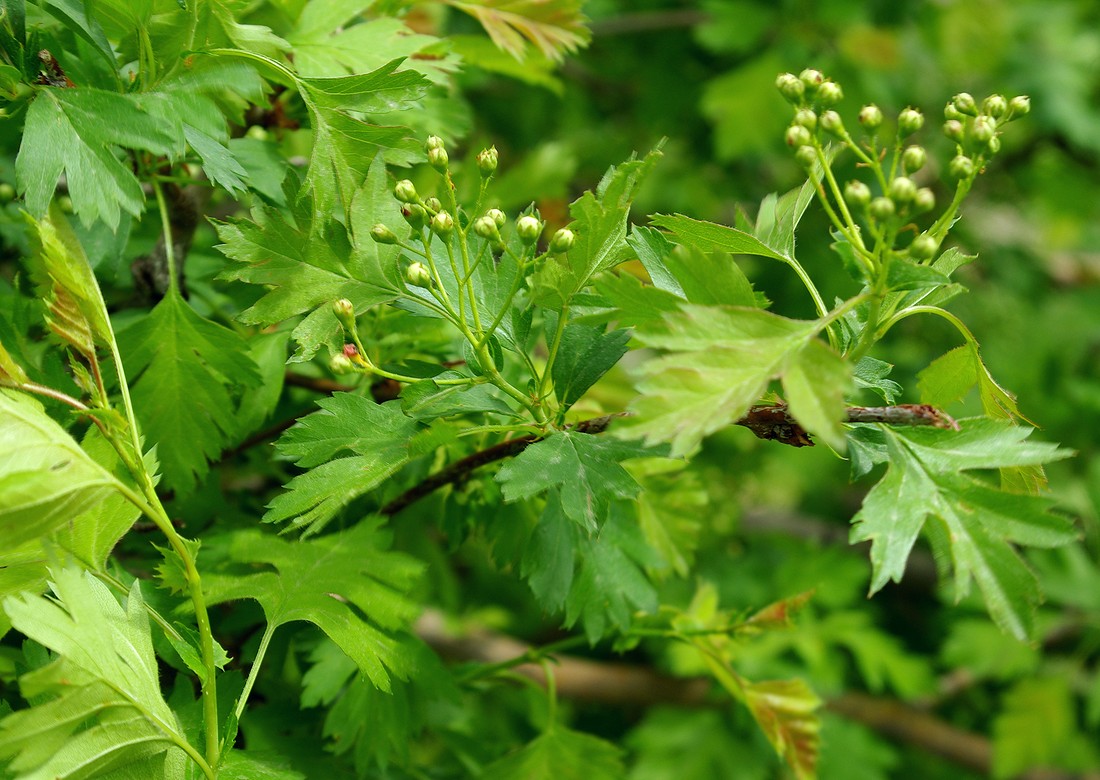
166 226
551 693
936 310
544 380
254 672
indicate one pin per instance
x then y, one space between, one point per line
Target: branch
631 685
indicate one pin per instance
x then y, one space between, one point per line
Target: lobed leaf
553 28
560 753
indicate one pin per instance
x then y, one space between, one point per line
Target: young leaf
376 438
554 28
46 479
347 584
76 132
787 713
720 361
925 479
183 369
560 753
104 709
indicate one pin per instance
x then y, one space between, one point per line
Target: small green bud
414 214
829 93
983 129
443 223
790 87
487 161
965 104
950 112
910 121
994 145
562 241
405 191
995 106
1019 106
418 275
433 142
805 117
881 208
437 158
433 205
256 133
857 193
954 130
913 158
65 203
341 364
961 167
498 217
528 229
923 247
811 79
832 123
7 193
806 156
924 200
902 189
870 116
486 227
345 313
797 135
382 234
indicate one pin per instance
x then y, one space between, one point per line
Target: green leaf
712 237
584 355
376 438
46 479
428 400
600 222
871 374
184 373
555 29
719 362
925 479
584 466
99 704
557 754
1037 729
347 584
76 132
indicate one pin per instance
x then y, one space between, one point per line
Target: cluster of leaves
464 337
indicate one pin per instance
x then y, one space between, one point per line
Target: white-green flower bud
902 189
405 191
805 117
870 116
994 145
806 156
961 167
528 229
438 159
811 79
924 200
954 130
923 247
486 227
829 93
965 104
498 217
983 129
913 158
790 87
434 142
797 135
910 121
7 192
995 106
341 364
857 193
414 214
433 205
345 313
418 275
562 241
881 208
442 224
382 234
950 112
1019 106
487 161
831 122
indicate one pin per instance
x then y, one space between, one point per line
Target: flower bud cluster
975 128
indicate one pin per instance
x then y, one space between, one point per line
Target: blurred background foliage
702 74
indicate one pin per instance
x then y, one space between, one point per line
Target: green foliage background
769 522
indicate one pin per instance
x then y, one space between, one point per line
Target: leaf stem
253 673
166 226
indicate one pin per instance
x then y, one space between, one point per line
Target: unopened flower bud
797 135
831 122
994 145
910 121
341 364
950 112
857 193
924 200
870 116
961 167
433 142
7 192
443 223
562 241
1019 106
486 227
345 313
806 156
418 275
902 189
438 159
811 79
995 106
528 229
954 130
983 129
791 87
382 234
965 104
829 93
805 117
498 217
487 161
414 214
913 158
351 351
881 208
923 247
433 205
405 191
